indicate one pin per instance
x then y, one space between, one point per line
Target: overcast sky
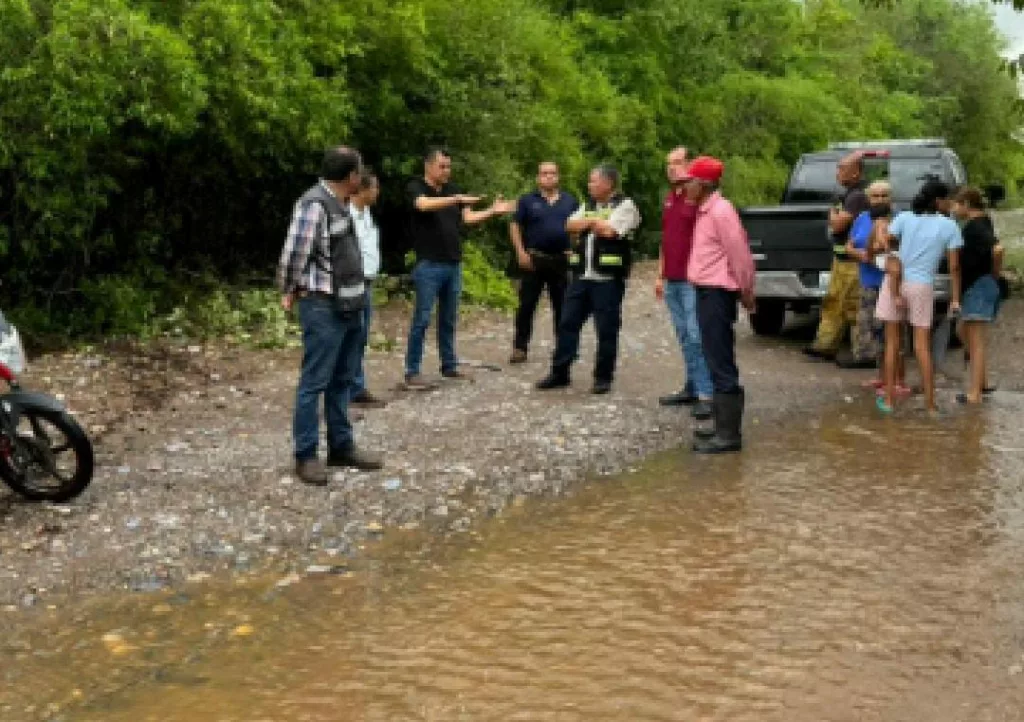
1011 23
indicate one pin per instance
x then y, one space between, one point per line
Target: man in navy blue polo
541 246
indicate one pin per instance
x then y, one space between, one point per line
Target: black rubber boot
728 423
708 430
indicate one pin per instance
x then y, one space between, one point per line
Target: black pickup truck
790 242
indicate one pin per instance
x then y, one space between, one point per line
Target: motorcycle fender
17 401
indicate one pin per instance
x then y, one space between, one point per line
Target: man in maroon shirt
678 217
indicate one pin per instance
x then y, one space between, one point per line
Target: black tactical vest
612 256
345 265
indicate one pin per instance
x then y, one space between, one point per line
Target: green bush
484 283
115 305
148 143
1013 268
250 316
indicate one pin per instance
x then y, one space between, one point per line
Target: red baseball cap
705 168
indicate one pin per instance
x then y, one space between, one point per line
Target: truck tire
769 318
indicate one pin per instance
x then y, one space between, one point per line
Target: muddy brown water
847 568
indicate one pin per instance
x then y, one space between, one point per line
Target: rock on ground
193 446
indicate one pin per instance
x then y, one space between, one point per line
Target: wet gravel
193 446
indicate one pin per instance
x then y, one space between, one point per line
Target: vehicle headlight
824 278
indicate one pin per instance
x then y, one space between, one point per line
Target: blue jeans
981 300
359 384
331 345
441 282
681 299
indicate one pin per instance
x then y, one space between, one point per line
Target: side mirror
996 193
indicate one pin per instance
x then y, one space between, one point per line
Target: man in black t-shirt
439 210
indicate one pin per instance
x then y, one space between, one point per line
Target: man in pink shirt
722 270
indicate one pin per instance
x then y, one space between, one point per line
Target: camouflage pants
869 334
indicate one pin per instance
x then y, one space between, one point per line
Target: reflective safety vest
611 256
345 264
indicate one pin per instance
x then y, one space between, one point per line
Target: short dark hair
340 163
610 172
434 152
367 178
927 199
971 197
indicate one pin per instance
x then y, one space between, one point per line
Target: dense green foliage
147 143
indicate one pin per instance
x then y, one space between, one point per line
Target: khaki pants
839 307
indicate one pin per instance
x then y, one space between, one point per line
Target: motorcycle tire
75 441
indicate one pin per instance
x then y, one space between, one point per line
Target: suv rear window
814 181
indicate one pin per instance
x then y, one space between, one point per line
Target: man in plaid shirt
321 271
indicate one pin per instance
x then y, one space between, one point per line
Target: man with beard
868 239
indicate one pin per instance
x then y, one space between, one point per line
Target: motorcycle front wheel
49 458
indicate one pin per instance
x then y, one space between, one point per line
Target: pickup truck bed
793 259
790 243
791 250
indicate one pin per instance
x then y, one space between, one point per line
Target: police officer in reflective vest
601 232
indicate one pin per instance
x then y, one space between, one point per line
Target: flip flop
882 405
901 392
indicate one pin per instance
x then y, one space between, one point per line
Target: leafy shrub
145 141
483 283
250 316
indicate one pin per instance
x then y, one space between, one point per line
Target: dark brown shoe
367 400
311 471
354 458
518 356
418 383
456 375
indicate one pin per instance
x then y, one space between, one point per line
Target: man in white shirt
369 245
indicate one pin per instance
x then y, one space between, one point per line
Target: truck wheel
769 318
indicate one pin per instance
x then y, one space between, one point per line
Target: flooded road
854 568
